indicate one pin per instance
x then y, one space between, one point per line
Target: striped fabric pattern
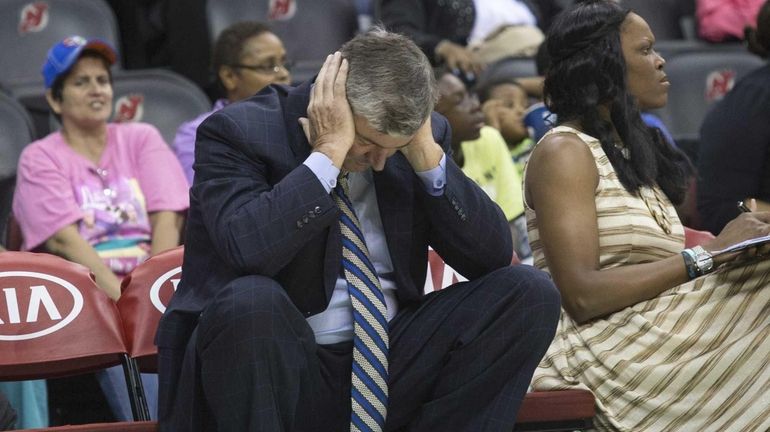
369 390
695 358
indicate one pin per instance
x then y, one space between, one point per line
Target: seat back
440 275
693 237
508 69
16 128
145 292
135 426
698 79
29 28
159 97
54 321
663 16
310 29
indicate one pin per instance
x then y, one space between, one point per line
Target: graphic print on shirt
115 221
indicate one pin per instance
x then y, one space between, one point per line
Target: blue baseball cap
63 55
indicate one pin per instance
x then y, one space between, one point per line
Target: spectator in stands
505 105
465 34
482 154
273 347
100 194
734 151
725 20
666 338
247 57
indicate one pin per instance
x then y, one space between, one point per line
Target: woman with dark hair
666 338
247 58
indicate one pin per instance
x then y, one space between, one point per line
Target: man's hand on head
329 127
423 153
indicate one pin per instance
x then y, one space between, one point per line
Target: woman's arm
561 182
560 185
68 243
166 228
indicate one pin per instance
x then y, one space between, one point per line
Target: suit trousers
460 360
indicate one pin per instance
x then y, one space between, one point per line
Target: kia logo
27 302
164 287
34 17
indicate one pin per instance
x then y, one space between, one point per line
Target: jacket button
299 224
317 210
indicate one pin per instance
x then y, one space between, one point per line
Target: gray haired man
301 304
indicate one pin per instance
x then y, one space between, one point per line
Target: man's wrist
333 152
424 157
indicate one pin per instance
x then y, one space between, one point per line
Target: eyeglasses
264 69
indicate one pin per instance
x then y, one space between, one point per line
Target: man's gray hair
390 81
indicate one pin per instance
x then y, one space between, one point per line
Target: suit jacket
256 209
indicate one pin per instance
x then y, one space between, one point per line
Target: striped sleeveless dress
695 358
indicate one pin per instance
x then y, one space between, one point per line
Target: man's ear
52 102
228 77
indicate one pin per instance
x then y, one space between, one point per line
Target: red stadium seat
565 410
693 237
440 275
55 321
145 292
140 426
562 410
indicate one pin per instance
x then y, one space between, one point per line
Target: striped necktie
369 390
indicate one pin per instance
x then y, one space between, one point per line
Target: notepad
756 241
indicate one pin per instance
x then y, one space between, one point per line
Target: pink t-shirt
110 201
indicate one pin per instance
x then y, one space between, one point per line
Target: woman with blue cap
105 195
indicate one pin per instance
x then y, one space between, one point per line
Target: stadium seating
139 426
157 96
28 29
665 17
508 68
55 322
145 292
310 29
16 128
698 79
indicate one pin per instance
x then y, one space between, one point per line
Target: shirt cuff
434 179
324 170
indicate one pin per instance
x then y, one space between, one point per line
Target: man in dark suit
262 331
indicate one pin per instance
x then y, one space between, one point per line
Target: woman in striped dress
667 338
